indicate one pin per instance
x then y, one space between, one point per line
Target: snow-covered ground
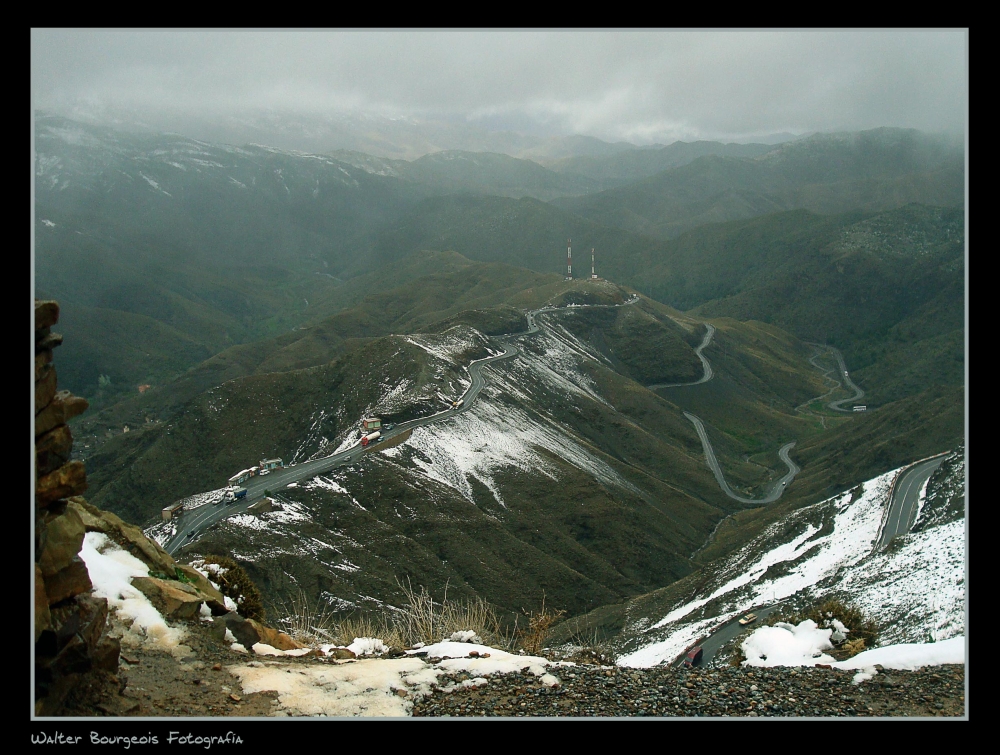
492 437
111 570
804 645
916 591
373 686
450 345
551 361
369 686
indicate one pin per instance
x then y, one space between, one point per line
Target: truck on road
172 511
235 494
370 438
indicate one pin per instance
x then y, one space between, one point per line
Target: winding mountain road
204 516
194 521
858 393
778 487
906 495
707 375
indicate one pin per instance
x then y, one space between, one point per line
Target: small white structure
860 408
169 512
240 477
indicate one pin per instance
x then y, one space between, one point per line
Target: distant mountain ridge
825 173
489 173
386 136
137 231
627 166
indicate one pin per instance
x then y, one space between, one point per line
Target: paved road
858 393
903 507
193 522
708 373
777 488
902 511
198 519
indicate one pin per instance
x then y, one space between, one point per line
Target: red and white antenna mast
569 259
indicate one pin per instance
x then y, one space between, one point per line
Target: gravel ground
154 684
802 692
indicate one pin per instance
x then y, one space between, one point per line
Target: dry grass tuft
421 619
539 624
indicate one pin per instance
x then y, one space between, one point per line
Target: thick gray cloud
637 85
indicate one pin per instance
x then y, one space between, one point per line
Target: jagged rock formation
71 628
75 646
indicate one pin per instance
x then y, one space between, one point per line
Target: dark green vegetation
626 166
579 542
481 295
228 428
749 407
826 173
640 343
887 289
185 248
626 626
164 251
235 583
491 173
860 449
267 298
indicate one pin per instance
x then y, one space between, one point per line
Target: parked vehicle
172 511
370 438
693 658
388 426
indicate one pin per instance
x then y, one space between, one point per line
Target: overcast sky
641 86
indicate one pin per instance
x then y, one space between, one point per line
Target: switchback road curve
707 375
858 393
778 487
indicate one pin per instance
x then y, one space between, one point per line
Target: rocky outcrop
249 632
71 625
173 599
73 646
126 535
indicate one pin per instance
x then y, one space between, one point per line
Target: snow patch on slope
886 585
555 362
450 345
491 437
